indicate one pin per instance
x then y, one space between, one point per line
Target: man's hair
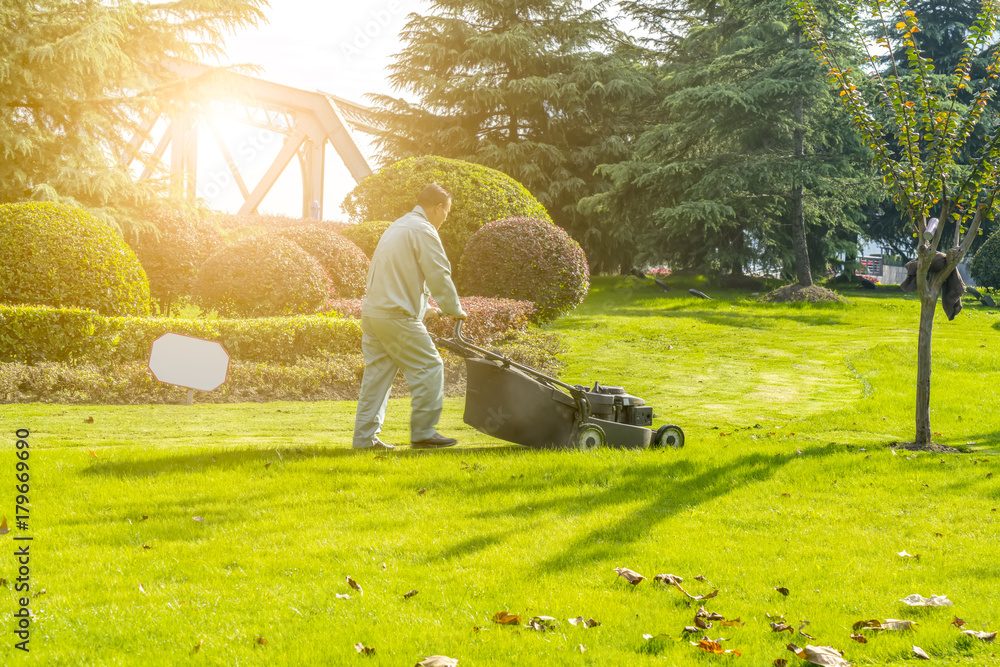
432 195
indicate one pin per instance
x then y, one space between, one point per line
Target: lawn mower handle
575 392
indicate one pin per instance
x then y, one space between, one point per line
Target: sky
337 47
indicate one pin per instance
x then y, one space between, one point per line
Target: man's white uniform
408 266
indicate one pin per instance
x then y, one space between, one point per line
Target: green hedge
58 255
481 195
33 334
334 377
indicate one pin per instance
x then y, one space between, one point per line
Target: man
408 265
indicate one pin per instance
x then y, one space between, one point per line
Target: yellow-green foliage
58 255
367 234
481 195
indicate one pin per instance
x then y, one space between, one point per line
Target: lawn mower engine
614 404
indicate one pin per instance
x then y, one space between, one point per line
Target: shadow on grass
242 456
668 489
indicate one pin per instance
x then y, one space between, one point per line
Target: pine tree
76 75
747 166
543 90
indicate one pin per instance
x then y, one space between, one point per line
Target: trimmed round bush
172 253
986 264
262 276
61 256
344 262
480 195
366 235
528 260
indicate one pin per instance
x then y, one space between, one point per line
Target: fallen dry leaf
861 639
628 575
781 627
199 519
709 646
89 420
506 618
903 554
144 517
827 656
873 624
708 615
3 526
804 634
675 581
691 630
409 595
261 641
421 492
542 623
437 661
94 454
985 636
362 649
958 622
343 596
353 584
702 623
197 647
700 578
780 662
733 623
142 590
784 591
919 652
581 648
587 623
933 601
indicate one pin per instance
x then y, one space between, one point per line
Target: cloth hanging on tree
952 289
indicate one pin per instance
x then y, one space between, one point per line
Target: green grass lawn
788 480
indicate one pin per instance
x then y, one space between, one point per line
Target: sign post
186 361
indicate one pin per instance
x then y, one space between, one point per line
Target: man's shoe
377 445
436 441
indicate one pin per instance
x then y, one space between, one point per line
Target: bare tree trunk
802 269
923 413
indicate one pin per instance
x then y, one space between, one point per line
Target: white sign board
189 362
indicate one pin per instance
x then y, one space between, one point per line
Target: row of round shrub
70 258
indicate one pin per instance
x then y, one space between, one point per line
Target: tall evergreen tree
543 90
75 75
747 167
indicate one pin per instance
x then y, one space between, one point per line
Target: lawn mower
513 402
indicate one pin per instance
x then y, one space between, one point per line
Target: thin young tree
916 131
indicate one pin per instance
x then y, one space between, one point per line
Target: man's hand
432 314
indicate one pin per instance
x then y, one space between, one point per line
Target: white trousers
389 346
